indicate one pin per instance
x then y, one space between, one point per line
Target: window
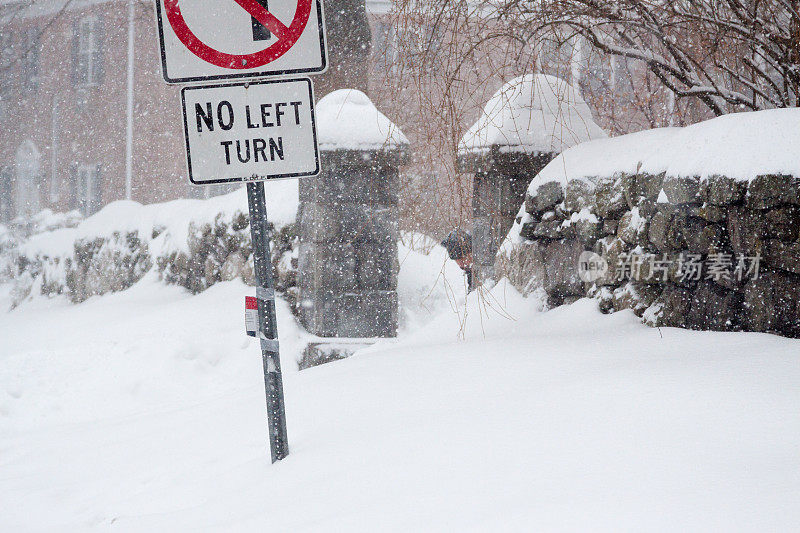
30 59
555 56
89 194
7 79
383 51
598 78
6 195
28 178
87 48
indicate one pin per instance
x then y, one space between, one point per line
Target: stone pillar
349 222
498 191
527 122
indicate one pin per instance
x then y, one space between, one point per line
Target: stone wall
650 233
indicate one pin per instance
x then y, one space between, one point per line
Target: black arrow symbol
260 32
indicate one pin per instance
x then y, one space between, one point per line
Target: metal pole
268 330
129 104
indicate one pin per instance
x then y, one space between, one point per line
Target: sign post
267 321
250 130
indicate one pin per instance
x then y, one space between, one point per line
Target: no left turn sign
203 40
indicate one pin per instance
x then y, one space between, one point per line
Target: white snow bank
428 282
532 113
740 146
144 411
171 218
348 120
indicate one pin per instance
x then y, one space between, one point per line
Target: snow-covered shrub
104 265
8 253
44 221
191 243
214 251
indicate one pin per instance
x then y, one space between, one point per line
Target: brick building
64 102
64 106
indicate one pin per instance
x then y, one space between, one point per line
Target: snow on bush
191 243
8 252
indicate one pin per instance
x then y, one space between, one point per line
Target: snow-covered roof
533 113
740 146
347 119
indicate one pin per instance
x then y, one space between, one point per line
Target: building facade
65 94
64 113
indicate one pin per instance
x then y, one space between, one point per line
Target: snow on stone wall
696 227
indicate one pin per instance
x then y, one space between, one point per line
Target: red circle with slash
287 35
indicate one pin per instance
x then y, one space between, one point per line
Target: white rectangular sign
250 131
205 40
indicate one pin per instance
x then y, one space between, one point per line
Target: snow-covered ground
144 411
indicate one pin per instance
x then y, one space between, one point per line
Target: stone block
560 260
772 304
369 223
578 195
320 222
610 226
376 267
350 177
587 230
327 267
783 256
633 228
321 352
661 232
682 190
526 231
712 213
635 296
610 198
549 230
640 187
746 230
749 228
715 308
367 314
484 243
547 196
703 238
783 223
721 190
649 185
611 250
771 190
677 305
319 312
